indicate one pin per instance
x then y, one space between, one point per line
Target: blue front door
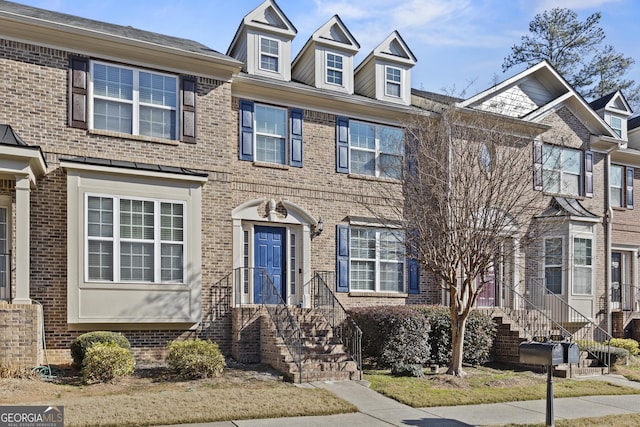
269 248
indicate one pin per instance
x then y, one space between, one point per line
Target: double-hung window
393 81
562 170
376 150
134 240
334 69
553 262
582 266
269 54
134 101
616 125
621 186
270 134
377 260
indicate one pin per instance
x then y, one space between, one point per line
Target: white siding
304 68
365 80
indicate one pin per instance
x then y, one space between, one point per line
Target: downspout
607 243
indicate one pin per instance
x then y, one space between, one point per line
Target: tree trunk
458 323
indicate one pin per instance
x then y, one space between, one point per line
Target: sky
460 44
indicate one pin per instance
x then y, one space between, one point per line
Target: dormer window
269 54
616 125
393 81
334 69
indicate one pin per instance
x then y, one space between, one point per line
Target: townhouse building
154 186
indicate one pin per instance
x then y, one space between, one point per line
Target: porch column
23 193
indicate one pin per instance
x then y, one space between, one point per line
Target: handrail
344 327
551 313
284 321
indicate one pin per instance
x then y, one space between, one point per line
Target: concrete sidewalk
376 410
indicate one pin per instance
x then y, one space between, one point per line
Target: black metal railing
625 296
541 313
343 326
286 325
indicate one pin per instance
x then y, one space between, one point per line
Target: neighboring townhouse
584 268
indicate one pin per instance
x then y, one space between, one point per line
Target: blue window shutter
246 130
588 174
537 165
342 262
629 185
342 145
414 276
295 137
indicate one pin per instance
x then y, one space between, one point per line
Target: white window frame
618 189
378 172
575 265
135 101
269 54
547 166
561 265
616 128
377 261
5 290
393 82
334 69
285 135
116 239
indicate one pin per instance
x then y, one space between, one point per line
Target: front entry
487 296
269 258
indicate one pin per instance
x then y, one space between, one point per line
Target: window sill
271 165
374 294
133 137
374 178
566 196
134 286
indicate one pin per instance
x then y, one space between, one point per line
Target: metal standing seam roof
111 29
563 206
9 137
133 165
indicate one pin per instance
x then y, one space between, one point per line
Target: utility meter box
542 353
571 352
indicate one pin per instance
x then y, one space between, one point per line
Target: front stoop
323 357
587 367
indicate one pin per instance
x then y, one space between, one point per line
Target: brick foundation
20 335
617 324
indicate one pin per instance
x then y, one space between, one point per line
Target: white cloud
573 4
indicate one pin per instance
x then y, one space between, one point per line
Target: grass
630 371
504 385
155 397
626 420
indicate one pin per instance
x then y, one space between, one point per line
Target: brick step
324 376
563 371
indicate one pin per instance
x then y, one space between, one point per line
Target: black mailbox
571 352
542 353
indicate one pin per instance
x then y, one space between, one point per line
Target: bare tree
467 194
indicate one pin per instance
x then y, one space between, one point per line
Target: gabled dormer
263 42
326 60
385 74
615 110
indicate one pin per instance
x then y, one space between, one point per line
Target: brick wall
20 335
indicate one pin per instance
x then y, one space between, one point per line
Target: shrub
105 362
81 344
404 370
393 335
195 359
478 336
628 344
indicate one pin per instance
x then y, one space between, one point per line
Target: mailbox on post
571 352
542 353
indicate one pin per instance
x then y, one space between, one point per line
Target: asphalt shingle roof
601 102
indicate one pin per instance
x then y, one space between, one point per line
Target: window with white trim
553 262
334 68
616 183
270 134
377 259
393 81
562 170
582 266
134 240
134 101
269 54
376 150
616 125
